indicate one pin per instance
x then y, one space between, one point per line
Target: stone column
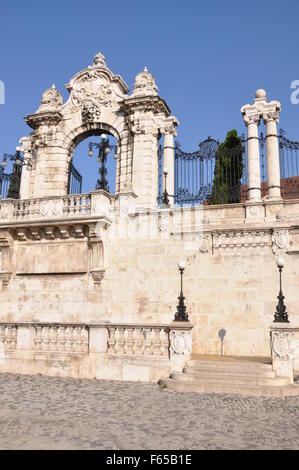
272 151
168 161
26 171
253 158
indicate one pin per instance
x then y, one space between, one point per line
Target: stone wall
119 264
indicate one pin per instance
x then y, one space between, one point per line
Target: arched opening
93 164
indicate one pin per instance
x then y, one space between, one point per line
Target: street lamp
181 314
104 149
281 314
165 199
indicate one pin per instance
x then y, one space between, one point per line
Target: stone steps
230 376
226 365
204 372
232 379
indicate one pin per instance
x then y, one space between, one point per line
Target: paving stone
38 412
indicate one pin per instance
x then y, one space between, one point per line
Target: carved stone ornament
51 208
98 276
145 84
281 240
163 222
51 100
281 344
5 278
90 112
181 342
93 87
4 211
205 243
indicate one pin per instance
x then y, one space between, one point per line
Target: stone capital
250 114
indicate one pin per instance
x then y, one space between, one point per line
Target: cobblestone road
55 413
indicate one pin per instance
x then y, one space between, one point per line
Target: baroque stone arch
84 132
99 101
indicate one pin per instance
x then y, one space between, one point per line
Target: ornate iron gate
210 175
10 183
289 166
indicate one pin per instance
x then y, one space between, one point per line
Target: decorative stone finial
145 84
99 59
260 94
51 100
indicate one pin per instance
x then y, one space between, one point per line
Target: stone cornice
46 118
145 103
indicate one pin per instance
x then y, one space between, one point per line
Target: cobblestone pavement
56 413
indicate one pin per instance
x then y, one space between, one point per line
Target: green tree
228 170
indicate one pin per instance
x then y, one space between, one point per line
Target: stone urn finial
145 84
51 100
99 59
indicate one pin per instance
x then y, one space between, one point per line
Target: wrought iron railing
5 179
75 180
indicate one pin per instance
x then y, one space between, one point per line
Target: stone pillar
145 165
251 118
253 158
26 171
168 161
272 151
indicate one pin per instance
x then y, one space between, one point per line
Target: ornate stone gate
99 101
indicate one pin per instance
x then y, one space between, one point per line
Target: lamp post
15 177
165 199
281 314
181 314
104 149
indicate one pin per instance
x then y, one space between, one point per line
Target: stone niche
52 258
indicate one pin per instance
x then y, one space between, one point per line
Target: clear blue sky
208 57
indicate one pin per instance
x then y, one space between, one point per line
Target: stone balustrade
61 339
138 340
111 351
8 336
68 206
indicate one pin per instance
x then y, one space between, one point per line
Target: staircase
243 376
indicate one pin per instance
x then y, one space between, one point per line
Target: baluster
85 336
148 341
120 341
130 341
2 333
7 336
45 338
138 341
71 205
69 339
54 338
38 337
76 204
14 336
112 341
157 342
164 349
61 338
